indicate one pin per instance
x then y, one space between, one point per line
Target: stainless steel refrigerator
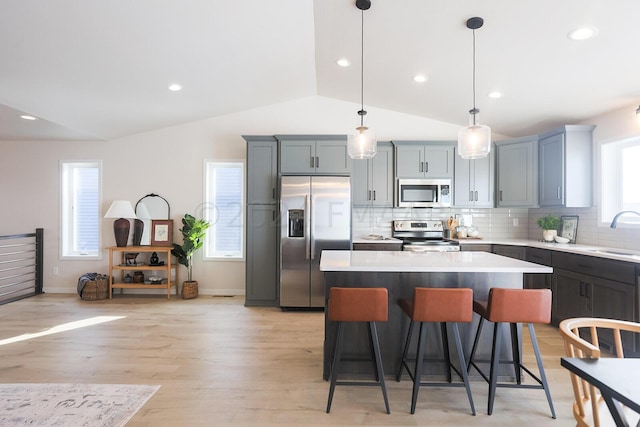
315 214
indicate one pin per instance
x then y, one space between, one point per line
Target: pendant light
638 115
474 141
362 143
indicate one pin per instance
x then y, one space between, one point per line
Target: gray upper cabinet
310 155
423 160
517 172
262 170
372 179
566 171
473 182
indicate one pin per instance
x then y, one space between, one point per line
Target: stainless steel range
423 236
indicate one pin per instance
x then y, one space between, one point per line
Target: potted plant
549 225
193 232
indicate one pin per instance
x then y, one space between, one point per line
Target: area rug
71 404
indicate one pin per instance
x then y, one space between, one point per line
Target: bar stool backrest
442 305
519 305
358 304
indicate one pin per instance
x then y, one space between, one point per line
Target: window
620 178
80 209
224 192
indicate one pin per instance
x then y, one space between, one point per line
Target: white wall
169 162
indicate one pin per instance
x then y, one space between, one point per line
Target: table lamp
122 210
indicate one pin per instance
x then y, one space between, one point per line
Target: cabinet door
483 178
297 157
569 297
262 172
462 181
361 193
614 300
438 161
332 157
409 161
261 262
517 174
552 170
381 177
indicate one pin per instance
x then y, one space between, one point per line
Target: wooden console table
164 254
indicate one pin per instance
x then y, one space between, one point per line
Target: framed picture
569 227
161 232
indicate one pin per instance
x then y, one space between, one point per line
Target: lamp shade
362 143
120 209
474 142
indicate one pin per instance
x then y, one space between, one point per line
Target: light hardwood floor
222 364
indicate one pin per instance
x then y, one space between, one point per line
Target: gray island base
400 273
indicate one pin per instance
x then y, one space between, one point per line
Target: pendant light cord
475 111
362 112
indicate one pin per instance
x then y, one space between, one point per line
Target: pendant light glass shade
474 141
362 143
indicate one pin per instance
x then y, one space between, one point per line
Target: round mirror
151 206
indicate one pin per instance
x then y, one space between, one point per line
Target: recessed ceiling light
343 62
582 33
28 117
495 94
175 87
420 78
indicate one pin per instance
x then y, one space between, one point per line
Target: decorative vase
549 235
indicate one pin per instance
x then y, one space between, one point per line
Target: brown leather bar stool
441 305
358 305
513 306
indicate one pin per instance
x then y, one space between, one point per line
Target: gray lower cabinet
423 159
262 170
517 172
517 252
262 256
538 281
475 247
566 166
314 156
372 179
473 182
586 286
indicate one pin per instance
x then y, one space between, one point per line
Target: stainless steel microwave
423 193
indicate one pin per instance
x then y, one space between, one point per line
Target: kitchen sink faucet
615 218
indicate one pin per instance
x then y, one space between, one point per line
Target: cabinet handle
587 288
421 166
369 195
317 161
312 165
471 196
374 194
500 195
581 289
476 199
426 167
273 193
558 193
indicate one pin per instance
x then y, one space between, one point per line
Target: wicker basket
189 290
95 290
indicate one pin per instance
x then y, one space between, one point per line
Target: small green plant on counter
549 222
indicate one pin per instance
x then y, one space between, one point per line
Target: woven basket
95 290
189 290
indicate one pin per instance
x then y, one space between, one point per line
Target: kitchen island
400 273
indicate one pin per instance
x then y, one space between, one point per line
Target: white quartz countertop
430 262
375 238
599 251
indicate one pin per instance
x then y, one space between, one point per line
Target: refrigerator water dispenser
296 223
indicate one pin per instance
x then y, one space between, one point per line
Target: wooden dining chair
581 339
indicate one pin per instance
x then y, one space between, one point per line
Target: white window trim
205 164
609 180
61 231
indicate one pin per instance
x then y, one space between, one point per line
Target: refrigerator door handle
311 234
307 225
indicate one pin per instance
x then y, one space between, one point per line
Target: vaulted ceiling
100 69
